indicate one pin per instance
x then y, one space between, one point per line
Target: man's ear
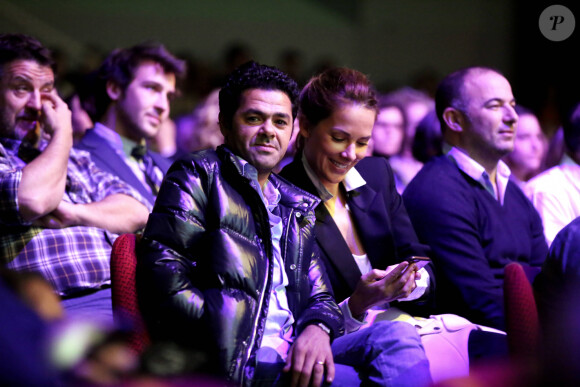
454 119
113 90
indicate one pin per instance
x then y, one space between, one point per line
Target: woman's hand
380 286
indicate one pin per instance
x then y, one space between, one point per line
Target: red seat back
124 291
523 327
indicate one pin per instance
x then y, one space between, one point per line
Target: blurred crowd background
397 43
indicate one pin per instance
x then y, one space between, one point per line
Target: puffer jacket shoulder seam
238 234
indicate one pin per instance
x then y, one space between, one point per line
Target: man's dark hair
428 140
450 91
23 47
252 75
121 64
571 128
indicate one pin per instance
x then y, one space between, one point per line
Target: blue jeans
386 353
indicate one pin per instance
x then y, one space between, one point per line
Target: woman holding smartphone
362 227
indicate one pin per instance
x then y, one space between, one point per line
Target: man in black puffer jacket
228 263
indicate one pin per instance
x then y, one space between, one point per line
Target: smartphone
419 261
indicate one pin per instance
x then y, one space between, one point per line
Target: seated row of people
362 228
59 212
246 266
229 262
555 192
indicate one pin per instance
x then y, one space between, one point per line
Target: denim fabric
388 353
384 354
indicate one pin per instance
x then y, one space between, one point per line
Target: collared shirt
474 170
71 258
353 180
123 147
279 320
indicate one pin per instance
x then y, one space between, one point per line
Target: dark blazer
380 219
105 157
558 285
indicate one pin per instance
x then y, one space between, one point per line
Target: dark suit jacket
382 224
105 157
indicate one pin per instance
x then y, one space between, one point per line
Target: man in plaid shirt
59 214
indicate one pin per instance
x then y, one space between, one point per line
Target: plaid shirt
73 258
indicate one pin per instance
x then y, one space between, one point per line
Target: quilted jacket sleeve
166 263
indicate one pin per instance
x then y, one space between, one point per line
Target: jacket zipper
260 305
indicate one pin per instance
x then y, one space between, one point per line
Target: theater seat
523 327
124 293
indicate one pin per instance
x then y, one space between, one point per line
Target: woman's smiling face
337 143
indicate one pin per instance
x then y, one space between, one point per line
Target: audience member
132 100
23 338
72 348
428 141
463 204
389 133
229 263
556 288
556 192
529 151
81 121
59 214
334 136
556 149
362 227
165 141
82 106
36 292
416 105
200 130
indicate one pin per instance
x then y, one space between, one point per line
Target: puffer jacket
204 271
